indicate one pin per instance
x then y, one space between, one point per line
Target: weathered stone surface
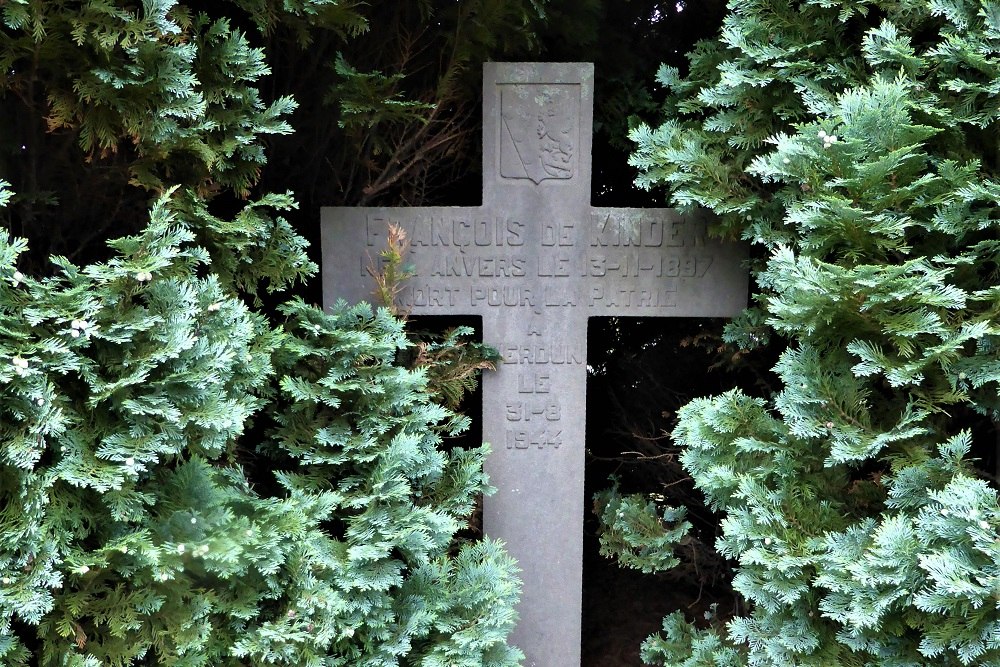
535 261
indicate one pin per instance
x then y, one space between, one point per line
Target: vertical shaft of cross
537 433
536 167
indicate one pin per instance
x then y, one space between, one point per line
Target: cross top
535 261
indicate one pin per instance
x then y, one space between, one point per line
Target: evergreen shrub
188 477
854 143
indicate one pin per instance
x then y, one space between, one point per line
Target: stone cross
535 261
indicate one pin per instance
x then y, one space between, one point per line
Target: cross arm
449 249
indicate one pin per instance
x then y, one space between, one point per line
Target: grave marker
535 261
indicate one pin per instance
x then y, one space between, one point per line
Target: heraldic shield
539 131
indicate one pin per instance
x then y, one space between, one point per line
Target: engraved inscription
518 296
635 279
539 130
618 229
440 231
533 383
634 265
503 296
540 438
428 295
542 353
554 267
527 411
665 297
560 233
498 266
630 260
534 420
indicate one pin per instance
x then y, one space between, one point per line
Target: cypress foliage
855 144
186 479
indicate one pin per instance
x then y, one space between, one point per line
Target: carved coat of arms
539 128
